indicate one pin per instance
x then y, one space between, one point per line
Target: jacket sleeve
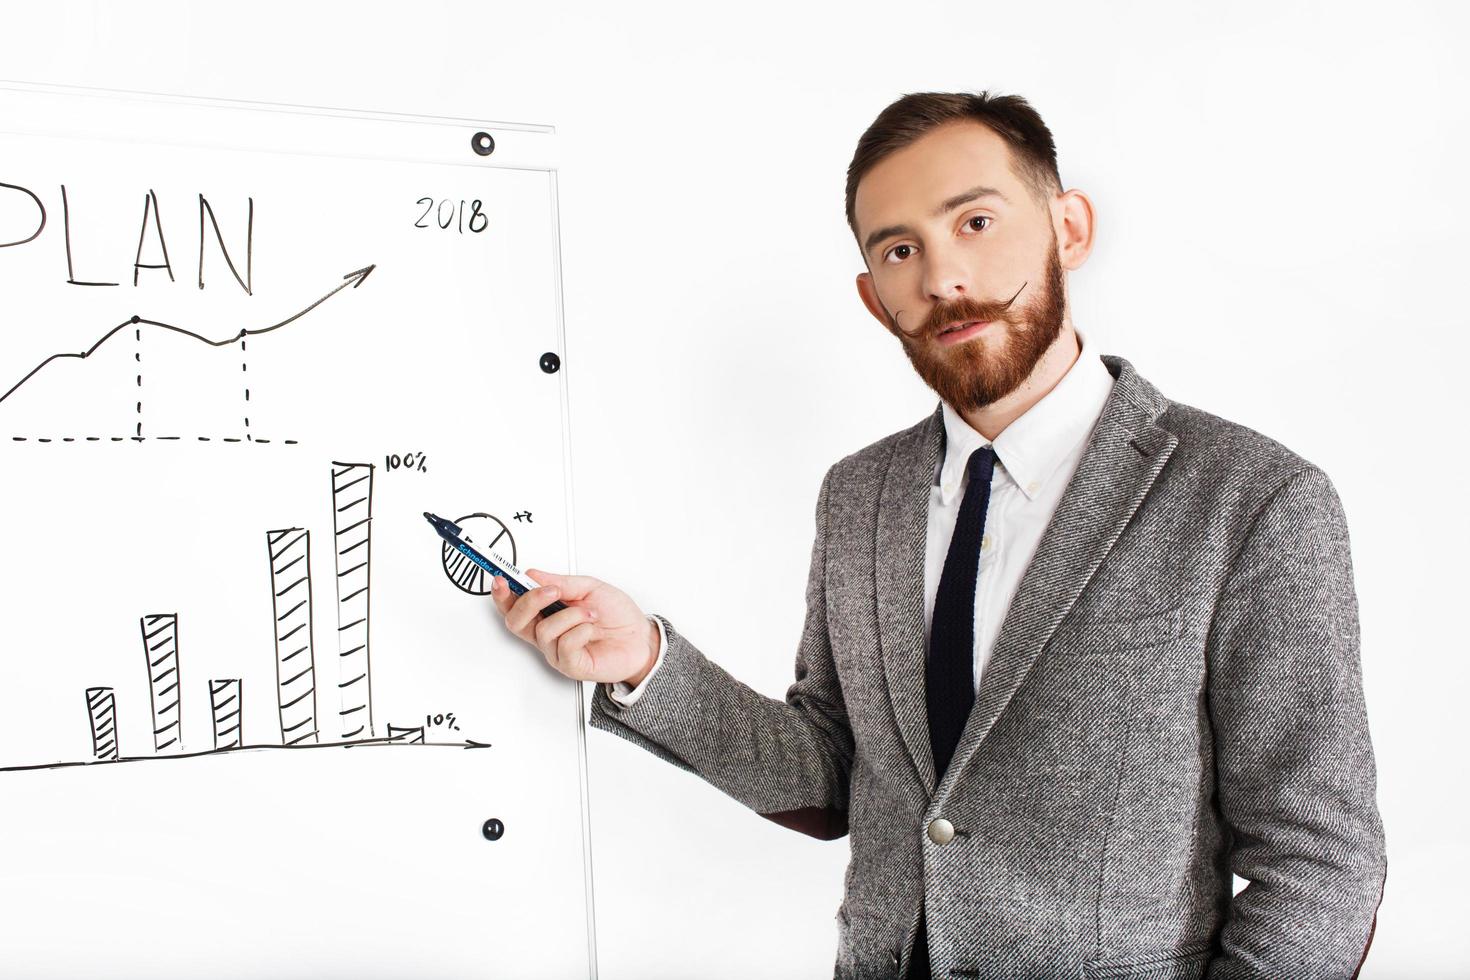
788 760
1294 767
625 694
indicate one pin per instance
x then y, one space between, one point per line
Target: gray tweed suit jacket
1175 695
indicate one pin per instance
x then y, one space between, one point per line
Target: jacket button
941 831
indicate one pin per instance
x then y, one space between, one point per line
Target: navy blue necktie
949 671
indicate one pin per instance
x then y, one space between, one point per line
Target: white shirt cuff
624 693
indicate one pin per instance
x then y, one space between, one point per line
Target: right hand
601 636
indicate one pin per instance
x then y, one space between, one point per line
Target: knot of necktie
982 464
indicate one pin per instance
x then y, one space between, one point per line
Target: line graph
138 324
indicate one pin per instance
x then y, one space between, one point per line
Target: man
1074 652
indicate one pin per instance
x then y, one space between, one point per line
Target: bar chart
162 639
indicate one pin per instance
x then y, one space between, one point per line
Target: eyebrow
965 197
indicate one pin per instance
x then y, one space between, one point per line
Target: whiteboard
254 721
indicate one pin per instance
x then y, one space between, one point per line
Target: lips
953 327
962 333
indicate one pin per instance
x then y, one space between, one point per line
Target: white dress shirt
1036 456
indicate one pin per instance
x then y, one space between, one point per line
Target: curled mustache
959 311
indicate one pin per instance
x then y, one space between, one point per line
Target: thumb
572 586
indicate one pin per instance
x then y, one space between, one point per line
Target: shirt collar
1032 447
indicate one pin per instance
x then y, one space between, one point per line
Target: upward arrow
353 279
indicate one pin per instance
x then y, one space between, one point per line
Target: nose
946 279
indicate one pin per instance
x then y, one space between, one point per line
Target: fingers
548 629
501 594
562 638
572 586
503 597
523 609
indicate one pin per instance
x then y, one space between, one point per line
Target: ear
869 294
1078 223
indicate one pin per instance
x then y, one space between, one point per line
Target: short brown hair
1033 152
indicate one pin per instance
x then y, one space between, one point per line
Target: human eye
893 250
979 217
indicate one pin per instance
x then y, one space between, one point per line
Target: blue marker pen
496 564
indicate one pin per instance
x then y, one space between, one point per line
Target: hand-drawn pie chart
485 533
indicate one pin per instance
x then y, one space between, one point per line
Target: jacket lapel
903 518
1124 455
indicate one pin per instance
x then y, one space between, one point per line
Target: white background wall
1280 218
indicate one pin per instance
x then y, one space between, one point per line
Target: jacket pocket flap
1093 634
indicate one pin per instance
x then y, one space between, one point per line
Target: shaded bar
352 519
224 704
161 647
290 559
411 736
102 710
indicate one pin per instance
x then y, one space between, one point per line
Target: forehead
907 185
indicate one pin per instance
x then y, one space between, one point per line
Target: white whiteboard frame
327 131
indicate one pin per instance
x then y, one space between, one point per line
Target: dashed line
285 442
138 357
243 368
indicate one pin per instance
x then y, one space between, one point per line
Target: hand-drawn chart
136 325
487 533
292 617
235 662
